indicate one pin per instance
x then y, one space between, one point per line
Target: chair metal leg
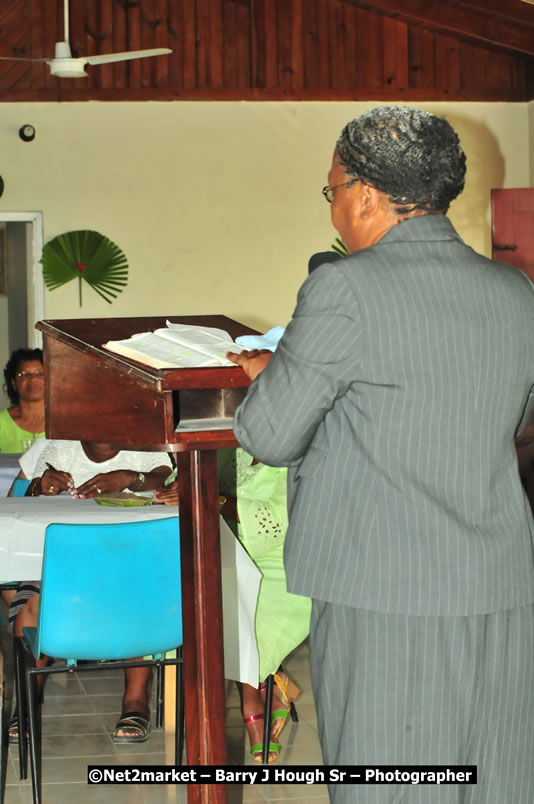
20 692
267 715
180 710
3 731
34 728
160 695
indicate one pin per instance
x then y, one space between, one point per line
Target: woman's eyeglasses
328 191
25 375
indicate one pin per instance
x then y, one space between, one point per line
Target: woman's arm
51 483
121 479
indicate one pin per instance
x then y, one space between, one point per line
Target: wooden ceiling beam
454 17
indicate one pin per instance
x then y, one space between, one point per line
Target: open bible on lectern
177 346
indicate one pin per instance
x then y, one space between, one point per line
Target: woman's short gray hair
412 156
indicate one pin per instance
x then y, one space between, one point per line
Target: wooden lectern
95 395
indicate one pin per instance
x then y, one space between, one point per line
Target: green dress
282 619
12 437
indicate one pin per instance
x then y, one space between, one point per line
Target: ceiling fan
64 65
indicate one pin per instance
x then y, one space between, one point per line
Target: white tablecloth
9 469
23 522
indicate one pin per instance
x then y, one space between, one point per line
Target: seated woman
254 503
88 469
24 384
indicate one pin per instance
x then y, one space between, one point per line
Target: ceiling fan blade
21 58
108 58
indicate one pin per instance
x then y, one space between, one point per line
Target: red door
513 227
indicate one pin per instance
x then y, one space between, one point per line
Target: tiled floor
79 714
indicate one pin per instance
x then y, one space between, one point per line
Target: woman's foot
253 708
254 724
13 730
133 725
284 692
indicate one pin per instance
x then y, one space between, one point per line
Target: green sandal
256 751
290 692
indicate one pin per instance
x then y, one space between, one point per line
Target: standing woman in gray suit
394 397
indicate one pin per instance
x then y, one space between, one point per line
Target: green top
282 619
12 437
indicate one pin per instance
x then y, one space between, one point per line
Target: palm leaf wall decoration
85 255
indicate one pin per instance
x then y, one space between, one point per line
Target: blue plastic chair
86 611
20 484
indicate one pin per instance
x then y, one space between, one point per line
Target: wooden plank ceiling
275 49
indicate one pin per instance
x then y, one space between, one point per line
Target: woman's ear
370 201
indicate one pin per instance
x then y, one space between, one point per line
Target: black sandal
135 721
13 738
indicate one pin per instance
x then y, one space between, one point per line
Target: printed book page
178 346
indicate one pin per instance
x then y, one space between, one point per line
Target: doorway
21 285
513 227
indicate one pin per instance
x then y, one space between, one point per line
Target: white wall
218 205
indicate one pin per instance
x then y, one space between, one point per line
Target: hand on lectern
252 361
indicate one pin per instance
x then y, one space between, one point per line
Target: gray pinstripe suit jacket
393 397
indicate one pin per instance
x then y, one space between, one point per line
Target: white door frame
36 310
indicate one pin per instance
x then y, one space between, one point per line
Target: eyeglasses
25 375
328 191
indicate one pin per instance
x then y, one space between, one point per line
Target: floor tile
251 794
82 793
163 794
68 705
14 796
62 684
290 792
66 746
12 777
307 798
107 703
97 685
86 723
299 734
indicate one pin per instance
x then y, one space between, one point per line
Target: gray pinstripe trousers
408 690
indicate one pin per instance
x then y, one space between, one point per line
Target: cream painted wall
218 205
531 140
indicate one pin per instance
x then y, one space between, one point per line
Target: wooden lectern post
95 395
